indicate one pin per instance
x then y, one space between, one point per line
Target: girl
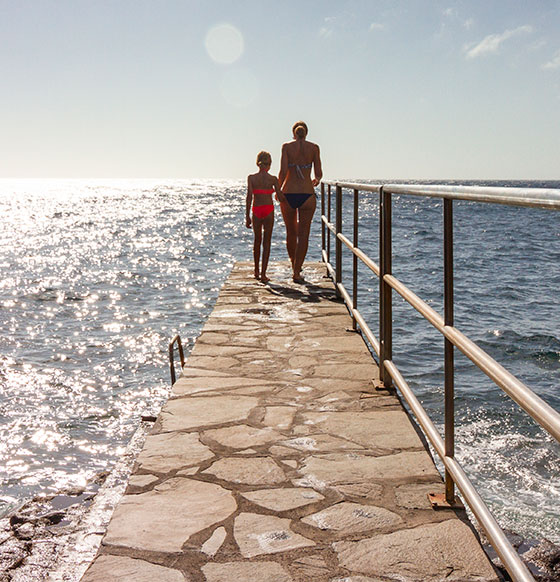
260 187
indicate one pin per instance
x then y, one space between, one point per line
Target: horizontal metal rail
535 406
531 197
354 186
359 253
354 312
175 340
504 549
539 410
359 319
547 198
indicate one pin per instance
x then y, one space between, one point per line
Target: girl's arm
279 195
248 202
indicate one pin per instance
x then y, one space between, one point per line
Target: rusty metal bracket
438 501
378 385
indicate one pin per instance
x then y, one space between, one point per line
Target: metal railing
175 340
539 410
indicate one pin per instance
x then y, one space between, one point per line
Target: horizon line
238 178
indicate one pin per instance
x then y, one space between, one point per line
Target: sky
390 89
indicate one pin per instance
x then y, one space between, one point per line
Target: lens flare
224 44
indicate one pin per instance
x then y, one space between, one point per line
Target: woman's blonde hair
264 159
300 129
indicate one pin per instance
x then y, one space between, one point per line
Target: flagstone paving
268 463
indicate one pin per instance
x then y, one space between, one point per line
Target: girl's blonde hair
300 129
264 159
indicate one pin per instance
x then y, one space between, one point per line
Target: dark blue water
97 276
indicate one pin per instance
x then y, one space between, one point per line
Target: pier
280 457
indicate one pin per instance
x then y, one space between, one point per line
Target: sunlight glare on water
96 278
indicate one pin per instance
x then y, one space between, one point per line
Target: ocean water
97 276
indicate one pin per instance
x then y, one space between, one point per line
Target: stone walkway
268 464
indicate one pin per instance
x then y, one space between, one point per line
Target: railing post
355 262
449 386
338 242
329 221
322 215
385 291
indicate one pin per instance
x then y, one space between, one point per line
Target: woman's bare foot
264 279
257 274
298 278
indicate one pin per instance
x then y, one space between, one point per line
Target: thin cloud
493 42
327 30
538 44
554 63
451 19
335 25
376 26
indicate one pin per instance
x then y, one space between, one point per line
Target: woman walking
299 157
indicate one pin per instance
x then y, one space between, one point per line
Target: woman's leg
268 225
257 230
290 219
306 211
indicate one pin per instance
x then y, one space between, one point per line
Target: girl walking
260 187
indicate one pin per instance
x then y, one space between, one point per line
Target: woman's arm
283 166
248 202
317 167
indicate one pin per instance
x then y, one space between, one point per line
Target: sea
96 277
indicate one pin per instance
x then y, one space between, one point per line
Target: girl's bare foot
264 279
257 274
297 278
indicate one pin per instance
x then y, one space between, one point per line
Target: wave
540 349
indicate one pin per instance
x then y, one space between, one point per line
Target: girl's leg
268 225
257 230
290 219
306 212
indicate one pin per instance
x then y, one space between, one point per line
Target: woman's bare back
298 159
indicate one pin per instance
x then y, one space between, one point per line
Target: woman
298 158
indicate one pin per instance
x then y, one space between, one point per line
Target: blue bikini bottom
296 200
